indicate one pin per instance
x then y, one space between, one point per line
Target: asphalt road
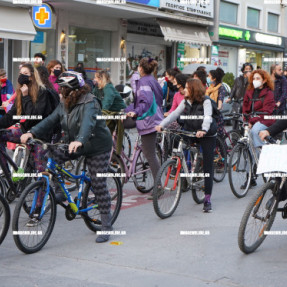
152 253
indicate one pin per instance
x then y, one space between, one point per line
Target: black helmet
71 80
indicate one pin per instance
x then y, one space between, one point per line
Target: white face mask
257 84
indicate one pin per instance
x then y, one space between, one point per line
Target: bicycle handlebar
46 145
180 132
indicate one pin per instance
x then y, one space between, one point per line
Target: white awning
183 33
16 24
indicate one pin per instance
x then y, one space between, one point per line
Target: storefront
14 39
237 46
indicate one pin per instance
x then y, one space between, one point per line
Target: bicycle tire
159 193
118 166
93 222
4 213
127 145
23 200
220 160
141 163
256 202
233 165
71 183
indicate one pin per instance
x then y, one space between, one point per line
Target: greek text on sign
204 8
42 16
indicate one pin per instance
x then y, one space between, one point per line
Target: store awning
16 24
189 34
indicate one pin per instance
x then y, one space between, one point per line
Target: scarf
212 92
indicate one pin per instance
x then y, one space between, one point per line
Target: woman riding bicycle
86 136
196 104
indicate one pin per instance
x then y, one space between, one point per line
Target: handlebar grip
271 140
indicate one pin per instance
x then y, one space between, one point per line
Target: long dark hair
218 75
44 75
71 97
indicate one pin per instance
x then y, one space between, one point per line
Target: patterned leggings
96 164
37 151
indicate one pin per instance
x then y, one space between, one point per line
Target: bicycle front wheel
240 170
92 218
257 218
167 189
4 218
219 161
31 231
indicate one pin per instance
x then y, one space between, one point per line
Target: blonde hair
34 87
105 78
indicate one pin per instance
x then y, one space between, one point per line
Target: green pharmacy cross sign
234 33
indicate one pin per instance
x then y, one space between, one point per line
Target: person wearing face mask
239 89
217 92
32 99
259 97
55 69
169 89
6 89
280 91
86 135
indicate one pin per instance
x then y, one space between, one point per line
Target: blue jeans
255 134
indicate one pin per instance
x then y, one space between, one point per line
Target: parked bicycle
35 213
4 218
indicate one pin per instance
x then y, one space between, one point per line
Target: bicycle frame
53 169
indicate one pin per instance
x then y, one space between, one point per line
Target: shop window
91 47
45 43
228 12
253 16
273 21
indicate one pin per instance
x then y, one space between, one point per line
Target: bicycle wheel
219 161
231 140
92 218
257 218
71 166
239 170
167 191
4 218
197 190
29 232
118 166
142 174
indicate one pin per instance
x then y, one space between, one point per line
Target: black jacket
239 88
80 124
42 107
277 127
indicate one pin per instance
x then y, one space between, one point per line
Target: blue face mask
208 80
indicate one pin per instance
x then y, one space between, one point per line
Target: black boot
106 226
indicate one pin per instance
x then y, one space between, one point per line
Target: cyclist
86 136
195 104
32 98
148 95
217 92
259 97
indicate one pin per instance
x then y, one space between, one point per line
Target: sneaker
60 197
207 207
252 183
32 222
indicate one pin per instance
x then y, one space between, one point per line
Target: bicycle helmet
124 91
70 79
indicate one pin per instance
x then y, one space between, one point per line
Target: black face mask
57 73
23 79
277 76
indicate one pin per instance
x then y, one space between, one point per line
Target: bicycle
167 186
260 213
36 207
4 218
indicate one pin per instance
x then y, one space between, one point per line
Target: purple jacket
145 87
135 77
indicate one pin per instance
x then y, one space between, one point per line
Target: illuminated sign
154 3
42 16
268 39
234 34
